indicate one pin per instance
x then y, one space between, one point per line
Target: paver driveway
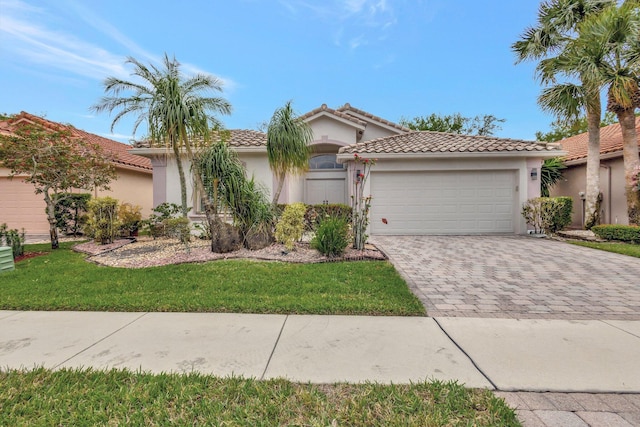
515 277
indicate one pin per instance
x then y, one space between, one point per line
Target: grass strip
64 280
118 397
619 248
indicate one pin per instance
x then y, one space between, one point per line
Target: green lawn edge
615 247
121 397
65 280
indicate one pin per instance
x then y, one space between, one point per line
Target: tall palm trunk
183 180
593 199
627 120
276 195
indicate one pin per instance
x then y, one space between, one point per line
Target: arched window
324 162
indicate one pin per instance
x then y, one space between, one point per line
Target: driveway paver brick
516 277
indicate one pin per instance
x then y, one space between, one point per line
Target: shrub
103 223
623 233
12 238
130 219
204 230
178 228
315 214
253 214
332 236
71 212
548 214
156 223
291 225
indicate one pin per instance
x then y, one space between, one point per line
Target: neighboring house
612 182
422 183
21 208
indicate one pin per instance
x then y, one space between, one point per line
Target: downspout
608 168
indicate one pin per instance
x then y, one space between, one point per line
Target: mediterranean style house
422 182
612 182
21 208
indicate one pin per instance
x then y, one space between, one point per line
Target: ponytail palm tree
288 149
551 43
175 109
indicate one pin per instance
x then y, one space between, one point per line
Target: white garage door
460 202
21 208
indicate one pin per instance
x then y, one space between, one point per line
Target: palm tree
174 108
550 174
558 22
288 148
615 33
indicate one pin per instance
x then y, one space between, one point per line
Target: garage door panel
459 202
21 208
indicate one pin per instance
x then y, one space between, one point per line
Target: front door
322 191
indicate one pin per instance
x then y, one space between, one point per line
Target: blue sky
392 58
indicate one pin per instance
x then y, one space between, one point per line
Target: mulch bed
147 252
28 255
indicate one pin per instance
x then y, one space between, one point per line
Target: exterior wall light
534 174
358 176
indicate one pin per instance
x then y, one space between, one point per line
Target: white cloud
34 42
356 21
29 38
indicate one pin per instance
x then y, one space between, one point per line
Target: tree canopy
55 162
485 125
561 129
175 108
288 148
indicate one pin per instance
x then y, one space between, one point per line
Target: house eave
126 166
262 149
378 123
346 157
336 118
152 152
583 160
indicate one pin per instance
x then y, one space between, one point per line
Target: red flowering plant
360 204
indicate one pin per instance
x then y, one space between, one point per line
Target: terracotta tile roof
236 138
116 150
247 138
438 142
347 108
610 142
337 113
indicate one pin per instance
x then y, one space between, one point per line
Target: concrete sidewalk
497 354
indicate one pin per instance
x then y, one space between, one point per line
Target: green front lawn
619 248
72 397
64 280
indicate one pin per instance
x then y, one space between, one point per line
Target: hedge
316 213
623 233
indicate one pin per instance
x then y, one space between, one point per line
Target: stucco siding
612 183
258 166
374 131
326 128
21 208
131 187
